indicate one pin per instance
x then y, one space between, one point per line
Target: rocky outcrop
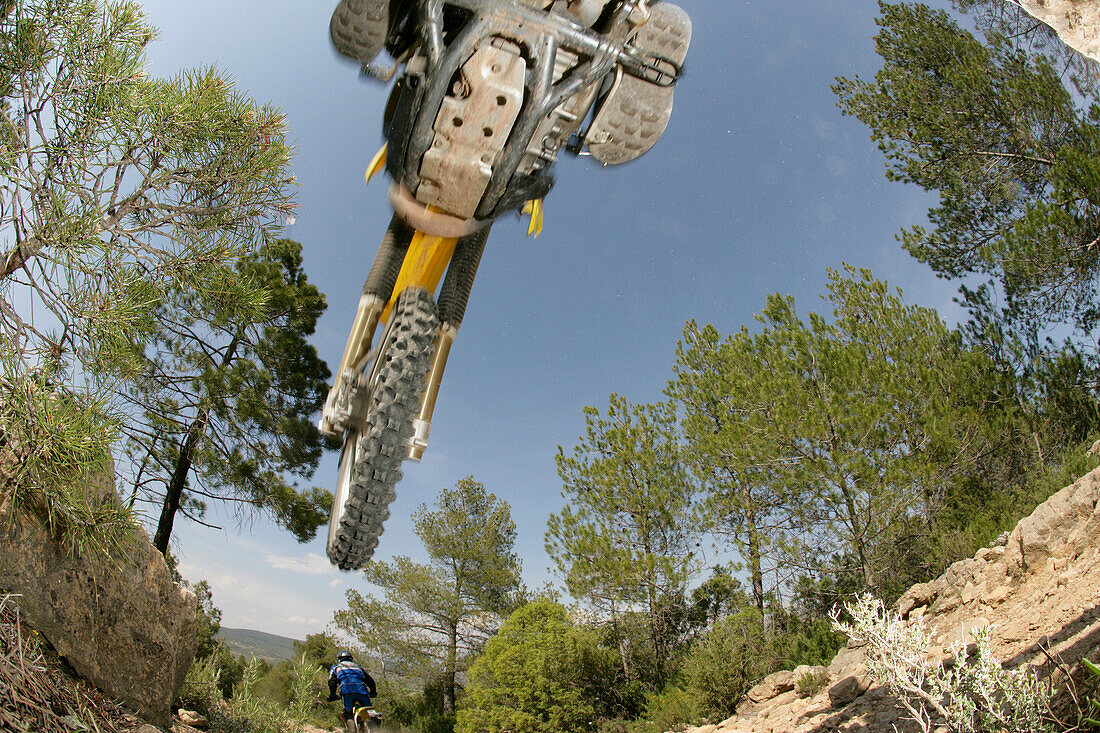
1039 589
122 624
1077 22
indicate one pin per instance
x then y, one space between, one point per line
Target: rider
356 685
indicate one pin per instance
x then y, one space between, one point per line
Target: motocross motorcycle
489 93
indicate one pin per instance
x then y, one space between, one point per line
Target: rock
772 686
807 669
124 626
998 594
728 722
146 728
1038 595
181 728
848 689
847 661
1077 22
921 594
192 719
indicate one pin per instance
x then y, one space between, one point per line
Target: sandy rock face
129 630
1040 590
1076 21
192 719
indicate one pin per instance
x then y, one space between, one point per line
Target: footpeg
636 111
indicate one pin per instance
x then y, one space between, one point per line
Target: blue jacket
352 679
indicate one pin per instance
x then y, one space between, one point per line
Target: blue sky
758 186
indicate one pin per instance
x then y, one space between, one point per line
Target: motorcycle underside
492 91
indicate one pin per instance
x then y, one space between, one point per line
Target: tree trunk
179 480
183 465
858 543
656 628
451 671
754 551
624 649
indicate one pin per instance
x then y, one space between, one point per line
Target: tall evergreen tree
118 191
1016 25
628 539
226 404
436 617
746 504
820 439
1013 157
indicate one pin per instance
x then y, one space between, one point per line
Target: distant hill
258 643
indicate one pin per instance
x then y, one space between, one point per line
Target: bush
200 690
671 709
246 711
420 711
810 683
970 694
536 674
721 666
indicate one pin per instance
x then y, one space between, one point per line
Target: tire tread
381 450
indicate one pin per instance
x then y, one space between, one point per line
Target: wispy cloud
311 564
276 608
313 623
255 588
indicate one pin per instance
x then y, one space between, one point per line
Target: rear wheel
359 28
370 466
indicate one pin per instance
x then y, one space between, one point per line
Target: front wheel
370 465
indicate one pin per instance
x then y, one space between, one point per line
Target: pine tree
437 616
118 193
225 407
628 538
992 130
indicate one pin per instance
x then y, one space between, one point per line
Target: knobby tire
382 444
359 27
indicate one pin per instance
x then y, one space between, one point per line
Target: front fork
407 258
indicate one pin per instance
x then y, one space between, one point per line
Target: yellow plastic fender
424 265
534 209
377 163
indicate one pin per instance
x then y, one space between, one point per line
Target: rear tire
359 28
371 464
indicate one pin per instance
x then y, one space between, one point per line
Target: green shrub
200 689
721 666
810 683
537 674
419 710
674 708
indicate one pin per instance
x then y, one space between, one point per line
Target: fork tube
423 422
